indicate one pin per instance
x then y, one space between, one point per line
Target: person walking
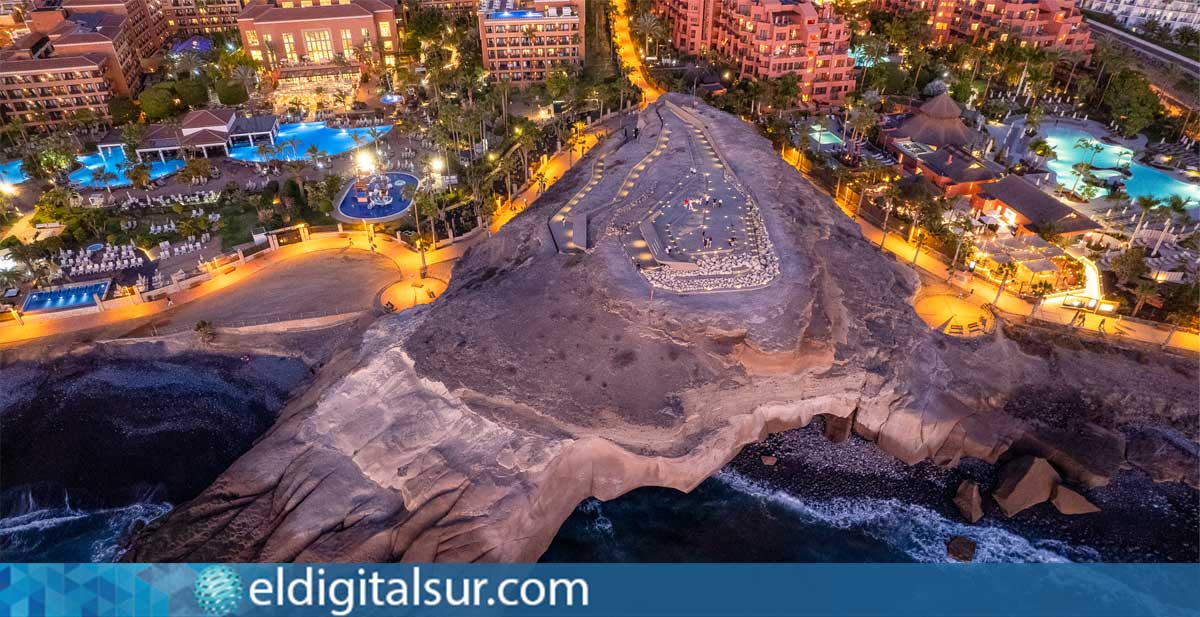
1100 327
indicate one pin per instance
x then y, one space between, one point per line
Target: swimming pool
355 205
822 136
330 140
12 173
112 161
1145 180
72 297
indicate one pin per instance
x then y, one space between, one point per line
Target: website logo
218 590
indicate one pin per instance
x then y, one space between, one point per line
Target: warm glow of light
365 162
437 165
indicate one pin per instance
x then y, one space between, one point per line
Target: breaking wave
915 530
63 533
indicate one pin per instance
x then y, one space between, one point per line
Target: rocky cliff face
469 429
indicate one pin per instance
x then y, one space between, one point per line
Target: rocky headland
469 429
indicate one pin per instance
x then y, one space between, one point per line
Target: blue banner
643 590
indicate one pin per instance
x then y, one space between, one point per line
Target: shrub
231 93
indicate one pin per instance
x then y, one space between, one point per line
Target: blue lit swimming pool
330 140
66 298
356 203
12 173
1145 180
112 161
823 136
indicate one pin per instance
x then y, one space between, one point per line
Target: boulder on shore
1024 482
969 501
1070 502
769 461
961 548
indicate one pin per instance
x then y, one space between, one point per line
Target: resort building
1027 209
68 63
449 6
1171 13
953 170
192 17
690 22
319 33
200 132
525 45
145 20
769 39
1056 24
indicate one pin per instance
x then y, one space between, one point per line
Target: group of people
1079 320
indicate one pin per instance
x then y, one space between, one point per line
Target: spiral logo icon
218 590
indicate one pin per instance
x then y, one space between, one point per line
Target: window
289 47
319 45
347 42
384 29
252 38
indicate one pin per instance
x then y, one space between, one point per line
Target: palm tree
1043 150
1177 319
651 28
1146 203
918 58
1005 271
929 212
101 175
1039 290
188 63
246 76
889 198
1144 291
266 151
11 277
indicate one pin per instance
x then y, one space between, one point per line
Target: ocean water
731 518
33 532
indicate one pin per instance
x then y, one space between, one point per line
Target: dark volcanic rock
969 501
106 427
961 548
1024 482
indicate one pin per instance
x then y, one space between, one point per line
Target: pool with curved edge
112 162
355 205
1143 179
294 140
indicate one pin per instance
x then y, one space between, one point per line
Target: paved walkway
406 261
981 292
628 53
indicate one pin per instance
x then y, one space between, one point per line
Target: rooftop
1037 206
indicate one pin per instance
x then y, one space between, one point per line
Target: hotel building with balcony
1170 13
146 21
525 42
67 63
1055 24
200 17
768 39
282 33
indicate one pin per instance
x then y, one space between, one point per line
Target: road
628 53
1148 48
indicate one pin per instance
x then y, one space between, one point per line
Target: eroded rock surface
1024 482
470 428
